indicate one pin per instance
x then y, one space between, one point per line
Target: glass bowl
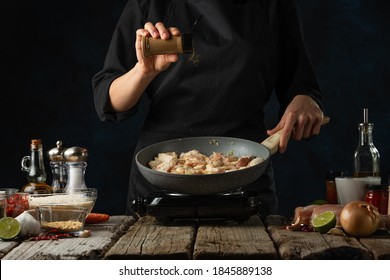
62 218
16 203
9 191
83 197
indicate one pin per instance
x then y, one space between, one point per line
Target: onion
359 218
29 226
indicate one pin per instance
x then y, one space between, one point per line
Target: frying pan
202 184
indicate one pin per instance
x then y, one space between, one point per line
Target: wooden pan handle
272 142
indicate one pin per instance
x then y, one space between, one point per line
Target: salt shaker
75 162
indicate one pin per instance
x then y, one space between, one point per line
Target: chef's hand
301 120
155 63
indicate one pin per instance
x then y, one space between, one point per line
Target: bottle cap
75 154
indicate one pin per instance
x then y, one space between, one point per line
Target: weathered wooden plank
378 244
224 240
149 239
346 248
103 236
313 245
6 247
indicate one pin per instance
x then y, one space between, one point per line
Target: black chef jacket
243 52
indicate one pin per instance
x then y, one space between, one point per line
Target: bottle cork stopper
36 141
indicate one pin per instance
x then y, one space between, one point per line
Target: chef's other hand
155 63
301 120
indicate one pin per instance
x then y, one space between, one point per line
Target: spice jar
175 44
378 196
331 191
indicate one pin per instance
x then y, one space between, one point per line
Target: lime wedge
9 228
324 222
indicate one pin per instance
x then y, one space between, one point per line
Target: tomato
16 204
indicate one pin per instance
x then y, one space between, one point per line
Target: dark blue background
53 48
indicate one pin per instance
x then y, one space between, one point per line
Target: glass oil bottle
35 168
366 156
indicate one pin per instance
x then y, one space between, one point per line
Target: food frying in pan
193 162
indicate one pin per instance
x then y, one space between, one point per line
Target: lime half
9 228
324 222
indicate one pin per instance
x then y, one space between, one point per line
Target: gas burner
166 206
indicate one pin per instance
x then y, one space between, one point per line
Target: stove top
166 206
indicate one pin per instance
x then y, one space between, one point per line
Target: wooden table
123 237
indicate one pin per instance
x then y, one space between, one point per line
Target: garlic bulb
29 226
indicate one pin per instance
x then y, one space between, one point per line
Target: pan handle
272 142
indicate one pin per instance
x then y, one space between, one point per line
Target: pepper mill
75 163
57 164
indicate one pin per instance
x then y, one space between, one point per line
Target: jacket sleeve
295 72
120 58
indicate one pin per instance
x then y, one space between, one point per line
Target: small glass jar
374 195
2 204
384 201
331 192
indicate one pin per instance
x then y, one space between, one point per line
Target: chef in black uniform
245 51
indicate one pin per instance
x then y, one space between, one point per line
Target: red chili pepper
51 235
94 218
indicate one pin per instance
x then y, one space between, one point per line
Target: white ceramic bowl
353 188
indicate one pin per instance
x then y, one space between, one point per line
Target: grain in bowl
79 198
